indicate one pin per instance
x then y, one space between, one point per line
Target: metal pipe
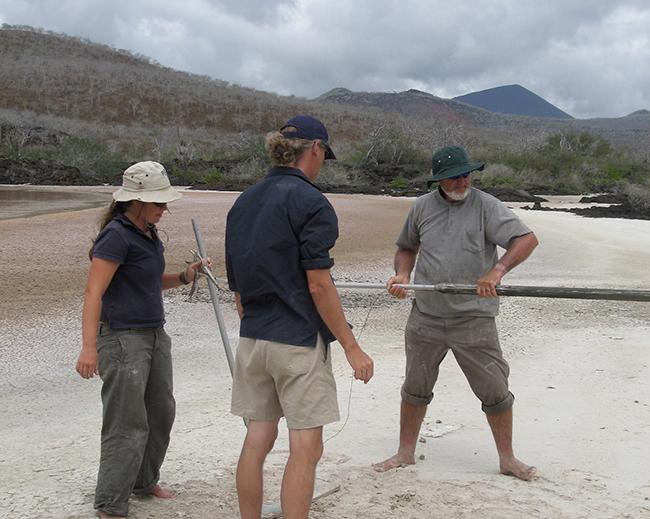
609 294
214 295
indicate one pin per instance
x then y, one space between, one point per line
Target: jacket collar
287 170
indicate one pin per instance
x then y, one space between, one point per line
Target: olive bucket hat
148 182
450 162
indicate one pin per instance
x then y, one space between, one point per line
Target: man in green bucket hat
453 233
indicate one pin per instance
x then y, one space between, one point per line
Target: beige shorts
272 380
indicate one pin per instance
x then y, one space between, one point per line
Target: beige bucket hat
148 182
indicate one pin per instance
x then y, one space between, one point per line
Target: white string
358 338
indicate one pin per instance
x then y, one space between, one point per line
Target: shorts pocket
300 360
473 241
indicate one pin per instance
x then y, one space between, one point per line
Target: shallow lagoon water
26 201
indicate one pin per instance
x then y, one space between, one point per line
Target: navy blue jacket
275 231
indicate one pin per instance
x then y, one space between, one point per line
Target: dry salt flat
579 371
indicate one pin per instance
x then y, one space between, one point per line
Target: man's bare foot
162 493
394 462
105 515
514 467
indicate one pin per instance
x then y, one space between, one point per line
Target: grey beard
454 196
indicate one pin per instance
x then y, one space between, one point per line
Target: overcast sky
591 58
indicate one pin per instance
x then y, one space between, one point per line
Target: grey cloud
588 57
263 13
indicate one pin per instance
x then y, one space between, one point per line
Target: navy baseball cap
309 128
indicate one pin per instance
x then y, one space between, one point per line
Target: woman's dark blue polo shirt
275 231
133 298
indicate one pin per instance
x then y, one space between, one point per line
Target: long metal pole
609 294
214 295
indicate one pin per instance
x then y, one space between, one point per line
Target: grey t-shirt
457 244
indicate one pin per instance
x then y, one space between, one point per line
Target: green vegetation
399 183
94 159
566 162
193 176
563 163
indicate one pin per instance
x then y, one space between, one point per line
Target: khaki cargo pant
138 412
475 344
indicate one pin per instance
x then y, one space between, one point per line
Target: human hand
87 363
361 363
397 291
195 267
487 285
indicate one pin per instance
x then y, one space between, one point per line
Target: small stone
421 457
438 421
422 439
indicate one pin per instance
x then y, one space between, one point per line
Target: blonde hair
283 151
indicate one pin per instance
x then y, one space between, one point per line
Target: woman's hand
87 362
193 268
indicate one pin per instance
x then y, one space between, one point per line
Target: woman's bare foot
162 493
514 467
399 460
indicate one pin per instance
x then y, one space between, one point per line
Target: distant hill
639 113
97 89
413 103
58 75
513 99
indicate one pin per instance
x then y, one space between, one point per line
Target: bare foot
105 515
397 461
514 467
162 493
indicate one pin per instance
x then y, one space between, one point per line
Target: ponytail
282 150
112 210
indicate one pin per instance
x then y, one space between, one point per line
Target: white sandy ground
579 371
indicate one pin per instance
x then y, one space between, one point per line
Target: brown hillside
139 108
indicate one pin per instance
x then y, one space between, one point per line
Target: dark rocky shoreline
623 210
44 172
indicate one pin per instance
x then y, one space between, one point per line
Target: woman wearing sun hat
124 342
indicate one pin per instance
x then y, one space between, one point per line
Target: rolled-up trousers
135 366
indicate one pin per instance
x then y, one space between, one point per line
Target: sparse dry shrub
496 175
498 170
573 182
530 177
638 196
334 175
249 170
